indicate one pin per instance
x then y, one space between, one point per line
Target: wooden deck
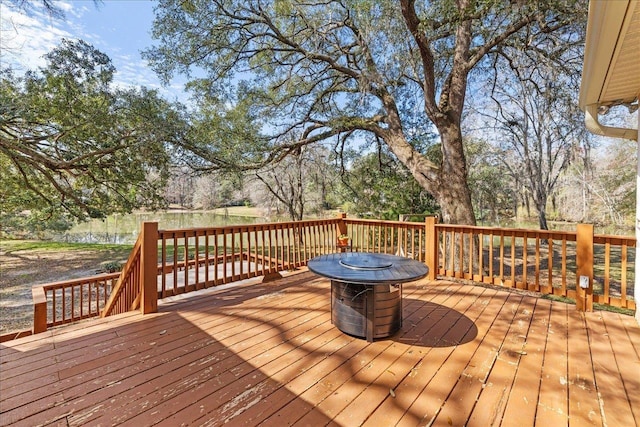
268 354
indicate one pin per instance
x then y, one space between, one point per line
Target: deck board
267 354
424 362
584 405
469 368
627 358
364 367
496 393
527 383
442 365
607 376
553 406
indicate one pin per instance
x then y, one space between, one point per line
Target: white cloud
24 39
73 9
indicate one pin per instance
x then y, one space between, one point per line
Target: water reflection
124 229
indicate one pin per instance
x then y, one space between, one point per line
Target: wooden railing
541 261
614 270
170 262
220 255
548 262
125 296
136 286
391 237
72 300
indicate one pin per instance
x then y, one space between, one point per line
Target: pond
124 229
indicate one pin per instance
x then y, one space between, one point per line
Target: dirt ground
20 270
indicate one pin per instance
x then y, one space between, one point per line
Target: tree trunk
542 216
447 184
541 206
455 207
453 193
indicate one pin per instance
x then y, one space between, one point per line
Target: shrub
112 266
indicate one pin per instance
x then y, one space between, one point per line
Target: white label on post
584 282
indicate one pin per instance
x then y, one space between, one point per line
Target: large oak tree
73 145
340 69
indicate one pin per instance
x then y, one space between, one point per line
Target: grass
238 211
9 246
113 250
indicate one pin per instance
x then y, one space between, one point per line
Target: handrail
185 260
219 255
68 301
543 261
124 296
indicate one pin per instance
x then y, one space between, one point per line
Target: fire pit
366 290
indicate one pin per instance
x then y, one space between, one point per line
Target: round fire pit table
366 290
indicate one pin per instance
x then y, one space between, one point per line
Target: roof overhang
611 70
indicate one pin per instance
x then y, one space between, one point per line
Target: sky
119 28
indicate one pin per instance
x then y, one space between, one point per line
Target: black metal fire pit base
366 311
366 290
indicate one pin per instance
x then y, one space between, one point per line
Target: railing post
584 267
342 244
342 226
431 243
39 309
149 268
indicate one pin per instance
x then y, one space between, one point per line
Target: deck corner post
584 267
149 268
39 309
342 226
431 243
341 229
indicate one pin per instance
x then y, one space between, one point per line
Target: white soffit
611 70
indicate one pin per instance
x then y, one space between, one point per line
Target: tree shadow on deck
164 367
434 325
294 343
250 353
